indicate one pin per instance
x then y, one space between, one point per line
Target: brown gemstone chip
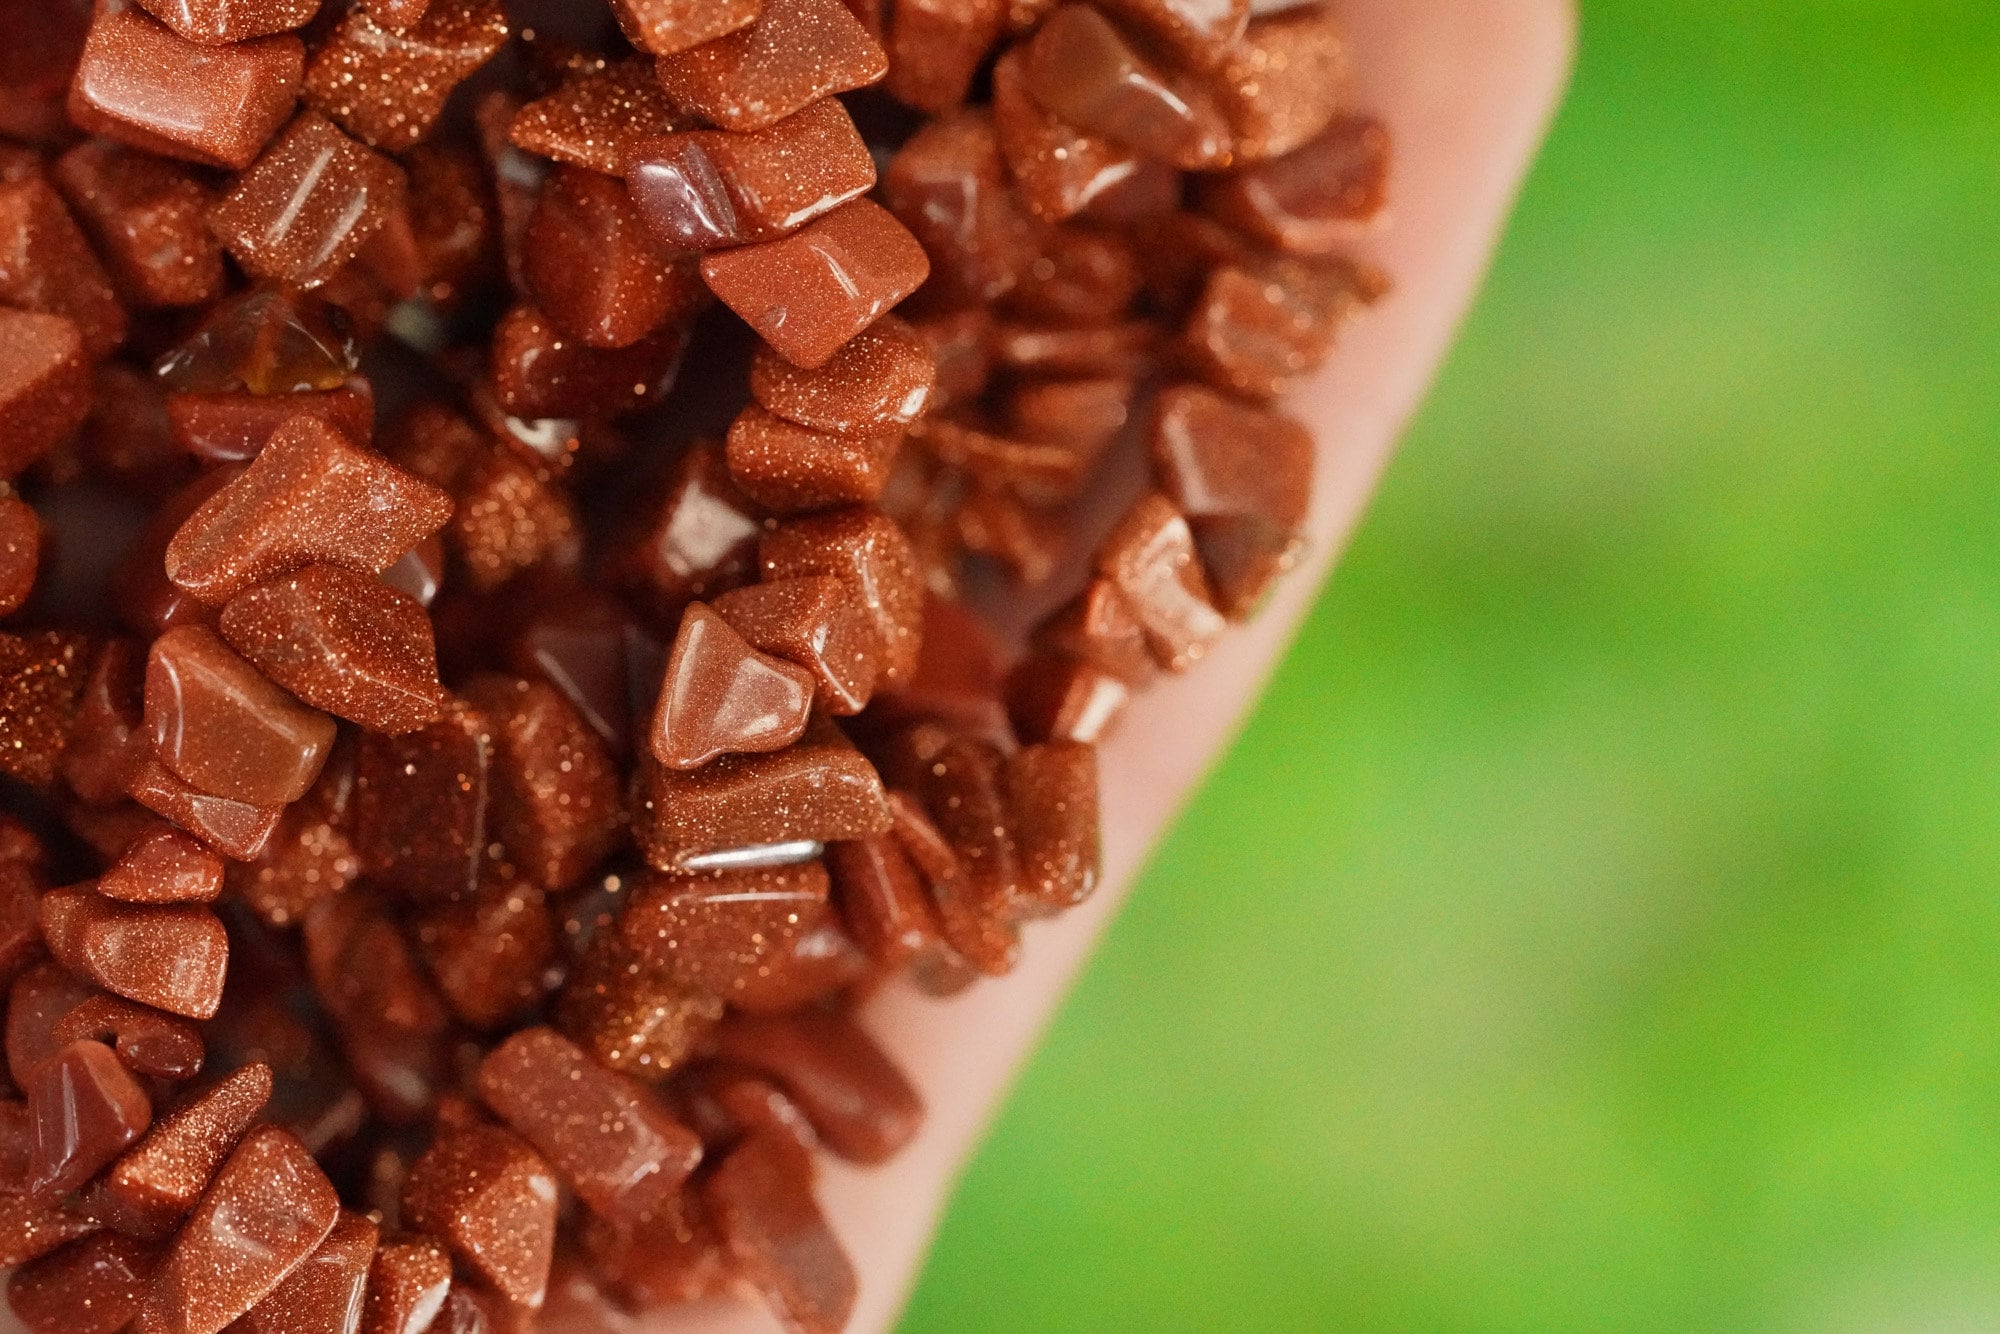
765 939
1313 201
491 955
85 1107
882 901
309 496
816 623
308 205
30 1227
44 386
594 267
817 790
612 1139
171 958
1284 80
935 48
423 804
630 1018
266 1212
556 800
1051 792
864 549
1058 169
811 292
41 680
141 84
598 117
1200 32
47 265
492 1199
797 52
696 538
146 1040
788 468
236 829
324 1294
720 696
1243 477
707 189
879 382
1081 68
859 1103
219 723
344 642
93 1286
268 342
408 1282
1257 330
948 185
20 552
1054 696
386 85
1150 558
663 27
148 220
762 1203
164 866
216 22
538 373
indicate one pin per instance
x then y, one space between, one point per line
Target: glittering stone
386 85
797 52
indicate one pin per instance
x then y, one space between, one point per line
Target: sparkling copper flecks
788 468
386 85
148 1041
491 954
937 46
818 789
613 1140
424 803
94 1286
309 496
797 52
342 641
217 105
1284 81
631 1018
308 205
222 725
879 382
596 270
1082 69
599 116
311 853
217 22
46 264
41 682
148 220
814 622
761 1199
866 550
44 386
20 552
510 519
556 801
238 830
172 958
492 1198
155 1184
808 294
325 1292
408 1281
1058 169
722 697
707 189
266 1212
664 27
1314 201
164 866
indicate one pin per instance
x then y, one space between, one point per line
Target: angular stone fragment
47 265
1081 68
30 1228
308 205
598 117
387 85
879 382
311 855
816 623
266 341
1058 169
1200 32
511 519
1257 330
171 958
20 552
492 1198
935 48
214 104
1051 794
881 900
324 1294
612 1139
1150 558
86 1108
164 866
37 1001
217 22
147 1041
556 800
236 829
1099 627
865 550
147 218
266 1212
762 1203
44 386
708 189
765 940
309 496
407 1285
811 292
788 468
393 1028
631 1018
233 427
948 185
722 697
663 27
595 269
424 804
491 955
153 1185
220 724
1045 474
1284 80
539 373
797 52
697 538
94 1286
816 790
1315 200
344 642
859 1103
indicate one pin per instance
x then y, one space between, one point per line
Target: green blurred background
1597 927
